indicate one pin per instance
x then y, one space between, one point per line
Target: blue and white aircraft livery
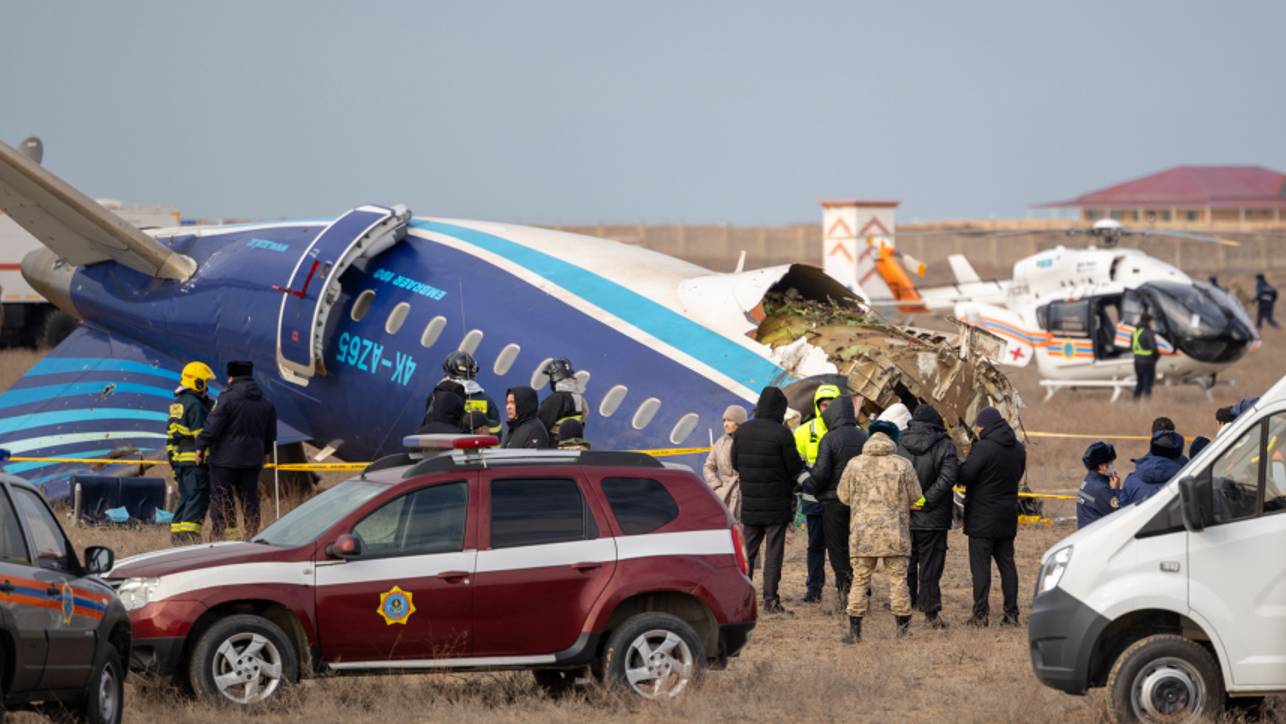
347 321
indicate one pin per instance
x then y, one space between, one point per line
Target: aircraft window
612 400
684 428
397 318
506 358
582 379
471 341
432 331
362 305
1070 318
538 377
643 416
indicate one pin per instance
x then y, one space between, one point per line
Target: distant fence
717 246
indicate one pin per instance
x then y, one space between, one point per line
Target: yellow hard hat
196 376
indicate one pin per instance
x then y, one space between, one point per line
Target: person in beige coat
719 474
881 488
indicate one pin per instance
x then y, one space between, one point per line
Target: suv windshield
303 524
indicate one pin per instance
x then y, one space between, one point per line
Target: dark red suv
562 562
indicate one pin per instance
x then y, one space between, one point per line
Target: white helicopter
1074 310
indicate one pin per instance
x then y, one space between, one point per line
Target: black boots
774 606
904 626
811 597
934 621
854 630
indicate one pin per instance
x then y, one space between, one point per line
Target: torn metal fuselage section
881 363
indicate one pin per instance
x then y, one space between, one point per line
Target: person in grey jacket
717 470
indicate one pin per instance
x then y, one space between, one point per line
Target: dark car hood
206 555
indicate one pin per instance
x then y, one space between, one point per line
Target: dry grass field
794 668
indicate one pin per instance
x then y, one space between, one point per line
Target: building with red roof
1187 194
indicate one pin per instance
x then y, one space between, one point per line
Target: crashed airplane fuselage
348 320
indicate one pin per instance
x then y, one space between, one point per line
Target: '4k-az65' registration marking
367 356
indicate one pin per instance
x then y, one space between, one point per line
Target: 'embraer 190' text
409 284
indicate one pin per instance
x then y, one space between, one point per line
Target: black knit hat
1098 453
240 368
988 416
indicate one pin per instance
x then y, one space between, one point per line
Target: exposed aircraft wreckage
846 342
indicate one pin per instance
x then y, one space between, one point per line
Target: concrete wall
717 247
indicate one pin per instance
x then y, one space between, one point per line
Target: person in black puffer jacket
525 429
991 475
843 442
931 452
237 440
765 458
446 411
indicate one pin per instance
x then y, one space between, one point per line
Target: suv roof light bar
440 441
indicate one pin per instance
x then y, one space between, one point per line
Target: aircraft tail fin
962 269
97 397
74 226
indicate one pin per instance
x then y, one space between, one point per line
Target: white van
1179 602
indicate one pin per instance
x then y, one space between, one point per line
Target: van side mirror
1196 510
345 547
99 560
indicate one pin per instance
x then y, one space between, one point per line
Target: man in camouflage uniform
187 419
880 487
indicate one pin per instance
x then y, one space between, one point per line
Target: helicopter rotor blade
1183 235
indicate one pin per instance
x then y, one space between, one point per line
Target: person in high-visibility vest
808 438
186 420
1144 346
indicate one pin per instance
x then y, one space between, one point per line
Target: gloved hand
919 503
809 487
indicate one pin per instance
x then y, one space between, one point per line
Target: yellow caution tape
317 467
669 452
358 466
1028 494
1087 436
85 461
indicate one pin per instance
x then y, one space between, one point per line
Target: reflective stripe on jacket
1137 344
186 421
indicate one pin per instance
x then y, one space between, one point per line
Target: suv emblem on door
68 603
396 606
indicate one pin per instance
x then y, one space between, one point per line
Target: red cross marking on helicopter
1017 353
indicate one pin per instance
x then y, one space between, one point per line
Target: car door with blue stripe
72 634
22 607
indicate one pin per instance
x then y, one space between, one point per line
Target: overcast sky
658 112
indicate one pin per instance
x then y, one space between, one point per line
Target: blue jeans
816 553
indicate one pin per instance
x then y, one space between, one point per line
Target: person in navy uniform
1266 298
1101 491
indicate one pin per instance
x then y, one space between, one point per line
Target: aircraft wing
77 228
93 396
948 297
